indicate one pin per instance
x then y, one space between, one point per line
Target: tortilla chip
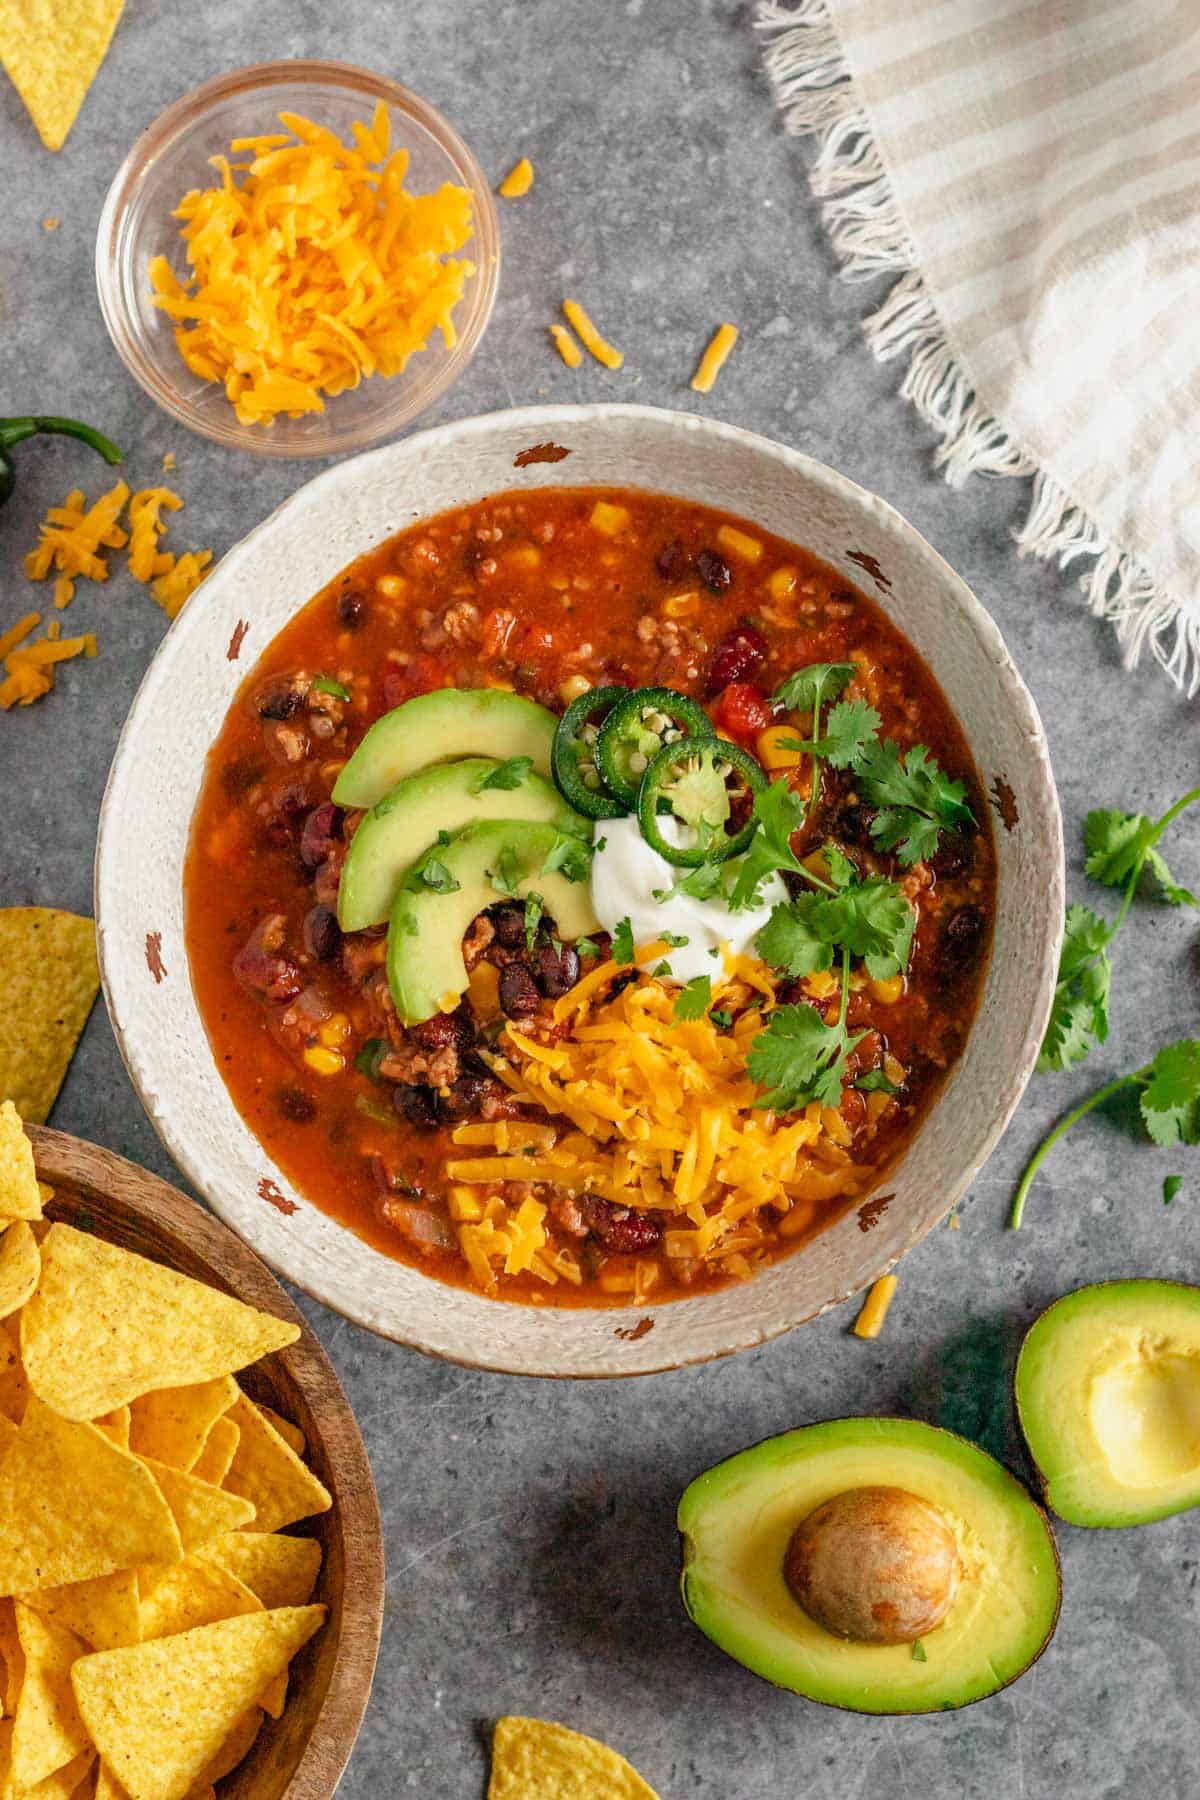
103 1612
48 973
291 1434
20 1266
160 1712
8 1434
268 1472
14 1389
107 1785
172 1424
237 1745
52 50
115 1426
282 1571
14 1657
220 1448
106 1326
72 1782
116 1516
532 1758
179 1596
19 1196
47 1729
201 1511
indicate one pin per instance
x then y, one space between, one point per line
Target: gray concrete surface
531 1551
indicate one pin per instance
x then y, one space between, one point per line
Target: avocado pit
876 1565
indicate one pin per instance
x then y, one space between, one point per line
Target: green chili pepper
635 731
689 779
15 431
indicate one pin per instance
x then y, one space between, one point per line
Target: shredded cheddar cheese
145 528
180 581
662 1116
518 181
714 358
589 337
312 266
29 667
869 1323
72 537
566 346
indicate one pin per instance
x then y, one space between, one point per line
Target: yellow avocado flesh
737 1520
1108 1391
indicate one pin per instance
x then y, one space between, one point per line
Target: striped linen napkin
1030 171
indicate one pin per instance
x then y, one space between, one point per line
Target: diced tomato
742 710
420 676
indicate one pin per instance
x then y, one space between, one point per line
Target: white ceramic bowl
156 776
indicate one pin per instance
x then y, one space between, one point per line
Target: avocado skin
425 964
1096 1501
445 726
402 826
695 1591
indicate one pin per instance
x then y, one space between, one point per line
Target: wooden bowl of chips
301 1754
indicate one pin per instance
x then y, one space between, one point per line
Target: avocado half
1108 1395
739 1521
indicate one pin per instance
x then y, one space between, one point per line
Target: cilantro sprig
797 1058
1121 848
806 691
1168 1090
872 920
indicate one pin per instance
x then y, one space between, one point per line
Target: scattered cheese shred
518 181
869 1323
29 669
566 346
714 358
180 582
168 461
145 528
312 266
72 537
10 638
589 337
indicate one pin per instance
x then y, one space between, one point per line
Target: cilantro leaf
1171 1096
778 813
674 938
586 946
370 1056
876 1082
693 1000
535 906
796 938
915 800
1120 845
436 875
807 688
508 874
873 921
797 1058
700 883
850 728
571 855
1171 1186
1079 1012
506 775
842 872
325 684
721 1019
622 942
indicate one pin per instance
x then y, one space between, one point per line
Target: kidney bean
740 654
351 609
445 1031
714 571
322 933
416 1105
557 969
296 1105
466 1097
322 828
622 1230
673 561
508 923
518 990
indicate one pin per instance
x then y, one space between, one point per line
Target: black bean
557 969
466 1097
518 990
954 855
322 933
278 700
416 1105
296 1105
961 942
673 561
446 1030
714 571
351 609
508 923
853 826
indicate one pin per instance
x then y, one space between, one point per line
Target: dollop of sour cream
626 873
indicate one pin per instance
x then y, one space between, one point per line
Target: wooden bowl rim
94 1170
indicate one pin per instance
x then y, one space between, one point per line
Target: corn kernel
798 1220
322 1061
449 1001
738 543
682 606
821 985
773 749
484 990
609 519
894 1069
524 556
465 1205
392 587
573 687
889 991
334 1032
618 1281
781 583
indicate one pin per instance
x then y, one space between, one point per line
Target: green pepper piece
688 780
573 761
15 431
637 728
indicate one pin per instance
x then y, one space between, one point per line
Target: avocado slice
441 727
1108 1394
740 1524
403 825
425 967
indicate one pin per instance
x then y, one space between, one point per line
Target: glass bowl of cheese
298 258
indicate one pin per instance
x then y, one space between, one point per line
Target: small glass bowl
172 157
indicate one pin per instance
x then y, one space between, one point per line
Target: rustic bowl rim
200 627
170 1215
